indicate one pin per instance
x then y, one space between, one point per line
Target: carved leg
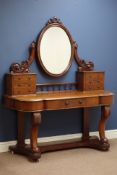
32 151
105 112
35 151
86 141
94 141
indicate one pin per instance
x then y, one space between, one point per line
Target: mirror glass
55 51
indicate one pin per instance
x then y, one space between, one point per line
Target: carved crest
54 20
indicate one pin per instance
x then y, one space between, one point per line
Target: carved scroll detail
23 67
54 20
36 120
83 65
105 113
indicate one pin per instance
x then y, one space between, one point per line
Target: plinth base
91 142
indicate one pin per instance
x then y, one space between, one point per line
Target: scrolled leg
35 153
104 143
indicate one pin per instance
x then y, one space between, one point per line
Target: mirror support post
23 67
83 65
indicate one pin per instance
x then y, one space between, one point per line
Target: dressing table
55 50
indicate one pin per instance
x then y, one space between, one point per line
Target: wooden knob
67 102
80 102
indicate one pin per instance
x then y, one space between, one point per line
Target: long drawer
71 103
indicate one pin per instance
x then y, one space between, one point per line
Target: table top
55 100
52 95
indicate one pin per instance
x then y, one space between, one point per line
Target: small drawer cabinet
90 80
20 84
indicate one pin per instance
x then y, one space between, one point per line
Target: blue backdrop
92 24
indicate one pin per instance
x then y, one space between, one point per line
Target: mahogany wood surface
24 95
20 83
36 103
58 100
90 80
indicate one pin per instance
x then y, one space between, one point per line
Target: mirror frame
54 22
24 66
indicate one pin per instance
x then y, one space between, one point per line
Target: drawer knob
80 102
67 102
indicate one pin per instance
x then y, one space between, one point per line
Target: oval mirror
55 48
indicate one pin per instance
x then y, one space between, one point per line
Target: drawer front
88 81
91 85
65 104
21 84
23 91
94 81
72 103
24 79
24 85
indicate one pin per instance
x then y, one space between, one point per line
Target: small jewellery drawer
23 79
22 90
24 85
20 83
90 80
